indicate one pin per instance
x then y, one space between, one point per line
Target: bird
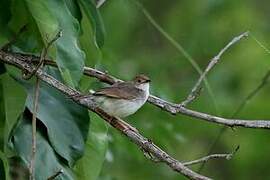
123 99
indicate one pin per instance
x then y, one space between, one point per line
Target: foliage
79 145
63 126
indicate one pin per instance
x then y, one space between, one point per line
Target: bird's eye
139 80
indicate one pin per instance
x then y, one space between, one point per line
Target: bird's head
141 82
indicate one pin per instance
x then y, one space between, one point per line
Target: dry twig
252 94
211 156
35 103
172 108
193 93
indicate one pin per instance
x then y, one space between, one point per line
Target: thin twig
34 125
134 136
211 156
179 48
172 108
34 130
251 95
24 62
56 175
35 103
192 95
29 75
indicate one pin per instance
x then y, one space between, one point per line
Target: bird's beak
148 80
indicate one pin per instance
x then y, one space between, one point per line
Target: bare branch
34 130
212 156
29 75
163 104
193 94
34 126
35 102
252 94
142 142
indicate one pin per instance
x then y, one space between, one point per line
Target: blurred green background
133 45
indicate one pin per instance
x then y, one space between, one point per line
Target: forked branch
29 62
196 88
143 143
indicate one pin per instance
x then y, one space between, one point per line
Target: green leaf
4 168
50 17
2 68
89 8
67 123
74 9
13 100
29 40
19 15
2 116
47 161
5 15
89 167
92 52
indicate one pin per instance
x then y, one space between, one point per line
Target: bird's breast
121 107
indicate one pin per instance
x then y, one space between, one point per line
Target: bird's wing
126 92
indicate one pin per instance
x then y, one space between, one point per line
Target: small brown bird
123 98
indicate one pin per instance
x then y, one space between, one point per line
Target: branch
34 129
143 143
212 156
35 102
172 108
34 118
194 92
252 94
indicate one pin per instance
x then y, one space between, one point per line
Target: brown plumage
125 92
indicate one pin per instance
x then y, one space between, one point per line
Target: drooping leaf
19 15
29 41
52 16
92 52
67 123
47 162
95 19
89 167
74 9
